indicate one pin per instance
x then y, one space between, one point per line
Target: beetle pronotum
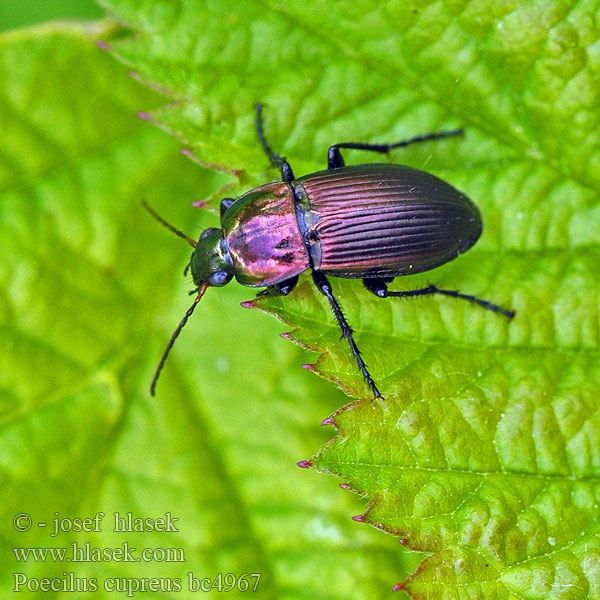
372 222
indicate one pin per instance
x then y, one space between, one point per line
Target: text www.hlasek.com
87 553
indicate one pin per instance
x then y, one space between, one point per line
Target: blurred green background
20 13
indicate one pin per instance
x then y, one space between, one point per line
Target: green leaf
91 291
485 452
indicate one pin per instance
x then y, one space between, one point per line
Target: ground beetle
371 222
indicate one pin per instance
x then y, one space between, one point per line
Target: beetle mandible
371 221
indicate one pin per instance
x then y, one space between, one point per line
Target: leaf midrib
458 471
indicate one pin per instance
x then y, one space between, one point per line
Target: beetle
372 221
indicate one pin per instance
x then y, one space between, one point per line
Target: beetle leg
379 288
225 204
335 160
283 288
287 175
324 287
376 286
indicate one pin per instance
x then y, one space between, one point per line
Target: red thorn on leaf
305 464
144 116
132 74
327 421
359 518
199 203
308 367
285 336
102 45
345 486
247 304
398 587
186 152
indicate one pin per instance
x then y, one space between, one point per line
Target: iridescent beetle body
261 232
384 220
376 220
371 222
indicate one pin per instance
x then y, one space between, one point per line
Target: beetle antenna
181 325
170 227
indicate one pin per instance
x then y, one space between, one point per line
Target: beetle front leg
287 175
225 204
282 288
378 287
324 287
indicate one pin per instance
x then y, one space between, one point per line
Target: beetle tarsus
432 289
378 287
324 287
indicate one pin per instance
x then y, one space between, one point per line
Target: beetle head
210 262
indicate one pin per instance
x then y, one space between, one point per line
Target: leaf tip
347 486
247 304
199 203
305 464
327 421
359 518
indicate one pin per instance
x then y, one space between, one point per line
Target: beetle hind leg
324 287
335 159
379 288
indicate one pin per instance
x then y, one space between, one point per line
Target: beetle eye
219 278
206 232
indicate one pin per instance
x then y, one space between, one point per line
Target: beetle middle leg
336 161
378 286
324 287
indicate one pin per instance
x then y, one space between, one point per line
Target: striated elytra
372 222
